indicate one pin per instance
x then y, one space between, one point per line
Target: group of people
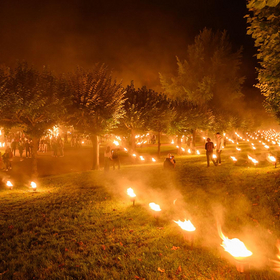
209 147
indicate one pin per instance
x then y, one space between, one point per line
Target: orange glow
272 158
197 152
153 160
9 184
154 206
189 151
186 225
233 158
33 185
235 247
142 158
253 160
214 156
130 192
116 142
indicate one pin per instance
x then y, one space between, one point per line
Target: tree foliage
209 72
31 99
97 103
264 25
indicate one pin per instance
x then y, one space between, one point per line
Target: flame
186 225
134 155
153 160
235 247
142 158
254 148
154 206
214 156
277 262
172 142
267 147
9 184
189 151
0 144
116 143
130 192
238 149
233 158
33 185
125 149
272 158
182 149
253 160
197 152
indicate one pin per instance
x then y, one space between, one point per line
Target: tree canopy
264 25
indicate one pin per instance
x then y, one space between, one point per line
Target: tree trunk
34 169
95 145
132 140
159 134
194 135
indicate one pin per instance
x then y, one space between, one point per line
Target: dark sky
136 38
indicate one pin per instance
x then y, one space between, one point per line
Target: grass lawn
83 225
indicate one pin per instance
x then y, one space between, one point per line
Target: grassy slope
83 226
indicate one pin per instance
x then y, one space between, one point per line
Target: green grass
83 225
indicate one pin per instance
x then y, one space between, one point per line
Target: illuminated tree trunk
159 134
95 145
34 170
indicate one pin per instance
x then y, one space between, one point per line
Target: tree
138 106
31 99
160 116
264 25
97 104
189 117
209 73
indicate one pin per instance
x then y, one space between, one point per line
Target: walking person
219 148
115 158
209 147
107 158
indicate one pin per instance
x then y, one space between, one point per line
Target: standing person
219 147
115 158
14 146
209 147
6 160
27 148
107 158
20 149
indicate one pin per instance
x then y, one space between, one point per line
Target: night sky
137 39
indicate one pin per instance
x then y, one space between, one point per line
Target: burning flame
197 152
267 147
9 184
130 192
238 149
154 206
253 160
186 225
235 247
182 149
189 151
125 149
134 155
272 158
214 156
277 263
172 142
153 160
33 185
142 158
233 158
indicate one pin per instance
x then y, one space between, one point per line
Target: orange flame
9 184
130 192
186 225
233 158
272 158
235 247
33 185
154 206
